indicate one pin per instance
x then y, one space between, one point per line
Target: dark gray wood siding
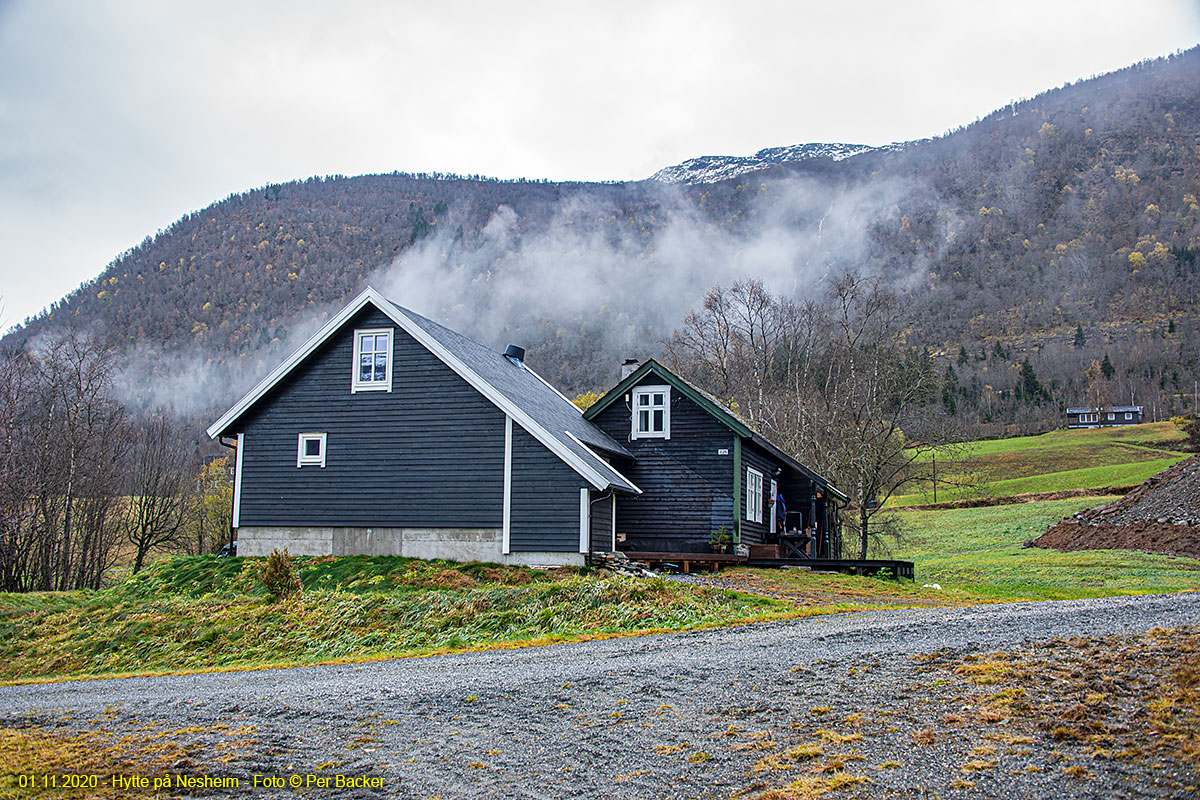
687 486
601 523
430 453
545 498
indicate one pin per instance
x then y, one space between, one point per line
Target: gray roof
520 392
526 389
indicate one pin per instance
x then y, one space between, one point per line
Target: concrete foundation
454 544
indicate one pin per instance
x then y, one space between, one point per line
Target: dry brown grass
149 753
809 786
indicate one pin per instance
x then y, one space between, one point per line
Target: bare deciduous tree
159 484
63 442
831 381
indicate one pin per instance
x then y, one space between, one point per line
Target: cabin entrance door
774 507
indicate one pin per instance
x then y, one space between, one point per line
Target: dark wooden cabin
702 469
388 434
1103 416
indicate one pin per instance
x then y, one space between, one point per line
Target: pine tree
1107 368
1080 339
950 391
963 358
1029 387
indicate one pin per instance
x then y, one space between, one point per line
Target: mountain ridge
711 169
1073 209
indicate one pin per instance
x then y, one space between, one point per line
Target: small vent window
310 451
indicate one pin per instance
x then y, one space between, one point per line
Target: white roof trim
414 330
314 341
607 465
550 386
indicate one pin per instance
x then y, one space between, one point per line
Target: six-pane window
652 412
754 495
372 360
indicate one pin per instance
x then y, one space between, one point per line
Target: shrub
1192 429
279 575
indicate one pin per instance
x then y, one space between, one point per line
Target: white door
774 494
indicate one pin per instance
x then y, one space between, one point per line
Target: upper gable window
652 412
372 360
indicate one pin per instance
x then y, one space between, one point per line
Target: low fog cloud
588 264
589 257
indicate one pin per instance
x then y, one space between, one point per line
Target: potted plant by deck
718 540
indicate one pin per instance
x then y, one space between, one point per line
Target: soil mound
1172 495
1160 516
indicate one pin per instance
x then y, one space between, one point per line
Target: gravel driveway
677 715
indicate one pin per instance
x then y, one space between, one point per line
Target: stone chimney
629 367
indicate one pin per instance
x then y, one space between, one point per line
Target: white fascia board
613 510
585 516
506 530
235 519
314 341
605 464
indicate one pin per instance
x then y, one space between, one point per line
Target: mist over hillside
1063 229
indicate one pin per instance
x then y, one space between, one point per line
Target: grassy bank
1059 460
979 550
194 613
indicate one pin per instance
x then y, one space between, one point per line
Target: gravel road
677 715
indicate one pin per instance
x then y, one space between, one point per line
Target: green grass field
1058 461
199 613
978 550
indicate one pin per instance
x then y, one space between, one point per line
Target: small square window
372 361
311 450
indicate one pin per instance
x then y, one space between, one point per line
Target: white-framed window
310 450
1128 415
652 412
754 495
1111 417
372 360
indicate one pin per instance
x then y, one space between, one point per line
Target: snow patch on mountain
710 169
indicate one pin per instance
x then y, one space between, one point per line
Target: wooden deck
687 562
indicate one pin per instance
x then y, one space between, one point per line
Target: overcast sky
116 118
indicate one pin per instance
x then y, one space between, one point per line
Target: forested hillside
1048 253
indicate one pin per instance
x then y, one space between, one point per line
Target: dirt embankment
1027 497
1162 516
